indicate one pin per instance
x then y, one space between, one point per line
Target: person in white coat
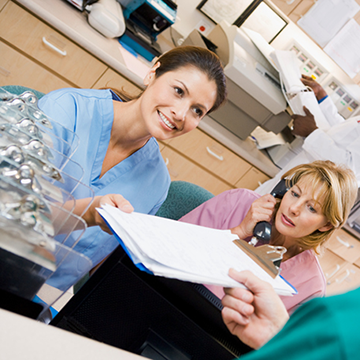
340 144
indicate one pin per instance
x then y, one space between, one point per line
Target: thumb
307 111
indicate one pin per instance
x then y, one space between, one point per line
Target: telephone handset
262 230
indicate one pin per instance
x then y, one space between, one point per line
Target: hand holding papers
297 94
183 251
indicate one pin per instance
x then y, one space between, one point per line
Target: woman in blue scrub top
117 149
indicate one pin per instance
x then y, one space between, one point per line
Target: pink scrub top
226 211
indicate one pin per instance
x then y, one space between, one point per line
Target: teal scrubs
321 329
142 178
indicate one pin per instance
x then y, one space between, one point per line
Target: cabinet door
47 46
161 146
348 278
211 155
252 179
113 80
331 263
183 169
344 245
2 3
286 6
16 69
303 7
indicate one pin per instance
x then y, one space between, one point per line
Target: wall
189 18
298 8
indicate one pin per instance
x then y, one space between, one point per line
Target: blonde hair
337 186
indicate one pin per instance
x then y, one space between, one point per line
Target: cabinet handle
342 242
345 277
51 46
219 157
167 161
334 272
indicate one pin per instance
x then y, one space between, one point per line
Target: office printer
254 94
145 20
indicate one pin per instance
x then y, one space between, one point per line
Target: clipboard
268 257
188 252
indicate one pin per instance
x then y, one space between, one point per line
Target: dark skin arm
304 125
317 88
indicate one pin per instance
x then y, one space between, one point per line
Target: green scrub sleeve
312 332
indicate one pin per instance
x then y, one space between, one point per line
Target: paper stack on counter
184 251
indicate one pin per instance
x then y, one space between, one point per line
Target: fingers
269 199
118 201
251 281
296 118
233 317
237 304
306 77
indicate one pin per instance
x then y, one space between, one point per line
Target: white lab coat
340 144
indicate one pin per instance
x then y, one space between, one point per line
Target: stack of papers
184 251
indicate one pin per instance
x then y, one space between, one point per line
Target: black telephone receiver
262 230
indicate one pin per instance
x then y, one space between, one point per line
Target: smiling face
300 213
174 103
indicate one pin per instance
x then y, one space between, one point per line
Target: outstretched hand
256 314
304 125
92 217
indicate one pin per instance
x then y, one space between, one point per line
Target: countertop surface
72 23
48 342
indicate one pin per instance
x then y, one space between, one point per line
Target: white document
326 18
290 75
344 48
264 47
184 251
265 139
308 99
296 93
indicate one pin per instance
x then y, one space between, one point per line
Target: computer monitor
155 317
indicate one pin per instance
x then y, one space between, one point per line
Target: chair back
17 90
182 198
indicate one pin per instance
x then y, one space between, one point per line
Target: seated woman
318 202
117 137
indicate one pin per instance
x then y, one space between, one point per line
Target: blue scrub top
142 178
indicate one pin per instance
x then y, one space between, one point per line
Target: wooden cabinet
216 162
181 168
210 154
344 245
113 80
17 69
2 3
40 42
294 9
252 179
35 55
340 262
331 263
286 6
346 279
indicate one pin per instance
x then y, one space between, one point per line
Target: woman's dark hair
201 58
